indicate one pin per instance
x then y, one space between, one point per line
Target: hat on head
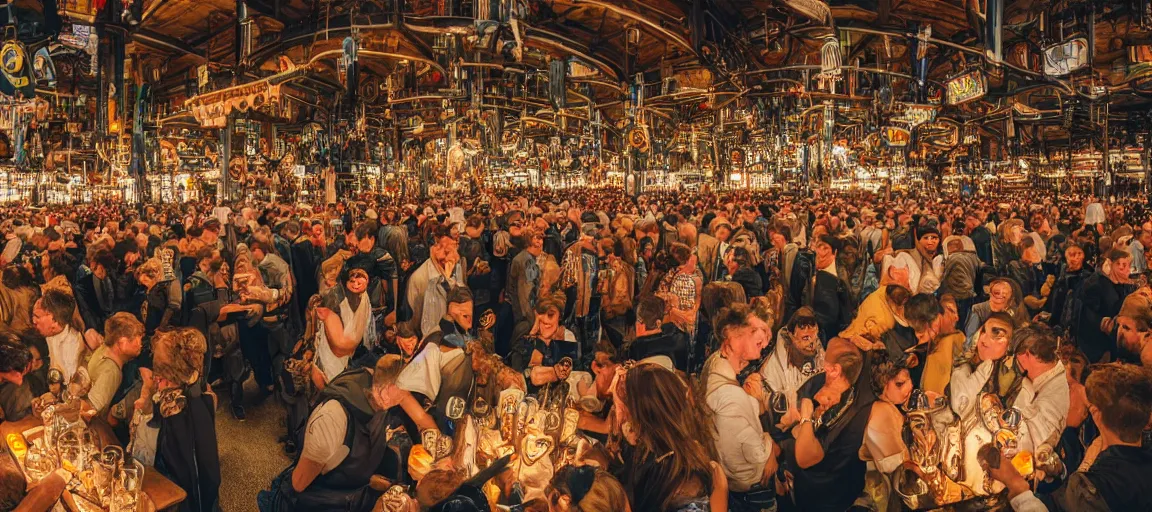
371 214
923 231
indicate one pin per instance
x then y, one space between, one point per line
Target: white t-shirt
422 375
222 213
324 437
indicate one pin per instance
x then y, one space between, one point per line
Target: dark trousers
255 343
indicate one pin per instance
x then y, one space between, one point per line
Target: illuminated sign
916 114
1063 58
896 137
967 87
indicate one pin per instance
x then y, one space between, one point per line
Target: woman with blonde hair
185 408
586 489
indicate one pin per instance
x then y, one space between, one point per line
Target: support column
225 189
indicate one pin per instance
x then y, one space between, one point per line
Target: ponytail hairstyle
179 354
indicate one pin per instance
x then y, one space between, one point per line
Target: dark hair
1038 340
61 264
291 229
14 355
1123 395
650 311
262 246
921 310
58 304
366 229
1118 254
104 258
405 330
729 318
459 295
441 231
884 370
835 243
803 317
741 256
17 276
784 231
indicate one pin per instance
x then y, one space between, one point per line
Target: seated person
345 442
42 496
546 353
123 341
15 396
1120 402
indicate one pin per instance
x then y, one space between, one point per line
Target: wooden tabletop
162 491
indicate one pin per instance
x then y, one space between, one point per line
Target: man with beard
1063 303
798 356
657 341
746 452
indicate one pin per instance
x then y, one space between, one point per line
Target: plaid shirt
683 286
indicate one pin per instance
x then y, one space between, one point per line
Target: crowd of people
584 350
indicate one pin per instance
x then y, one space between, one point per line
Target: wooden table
162 491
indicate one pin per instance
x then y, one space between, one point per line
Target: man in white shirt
745 450
336 470
1043 399
439 273
50 317
797 357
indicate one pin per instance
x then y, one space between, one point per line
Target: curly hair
884 370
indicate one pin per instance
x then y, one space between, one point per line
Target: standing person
275 294
670 444
477 265
95 292
823 287
980 235
1103 294
746 452
185 409
580 278
304 262
522 290
961 273
834 410
1064 302
429 284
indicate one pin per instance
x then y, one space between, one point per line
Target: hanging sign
967 87
816 10
1063 58
895 137
43 68
211 109
737 158
638 139
14 67
917 114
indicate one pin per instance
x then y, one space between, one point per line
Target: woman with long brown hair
669 436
